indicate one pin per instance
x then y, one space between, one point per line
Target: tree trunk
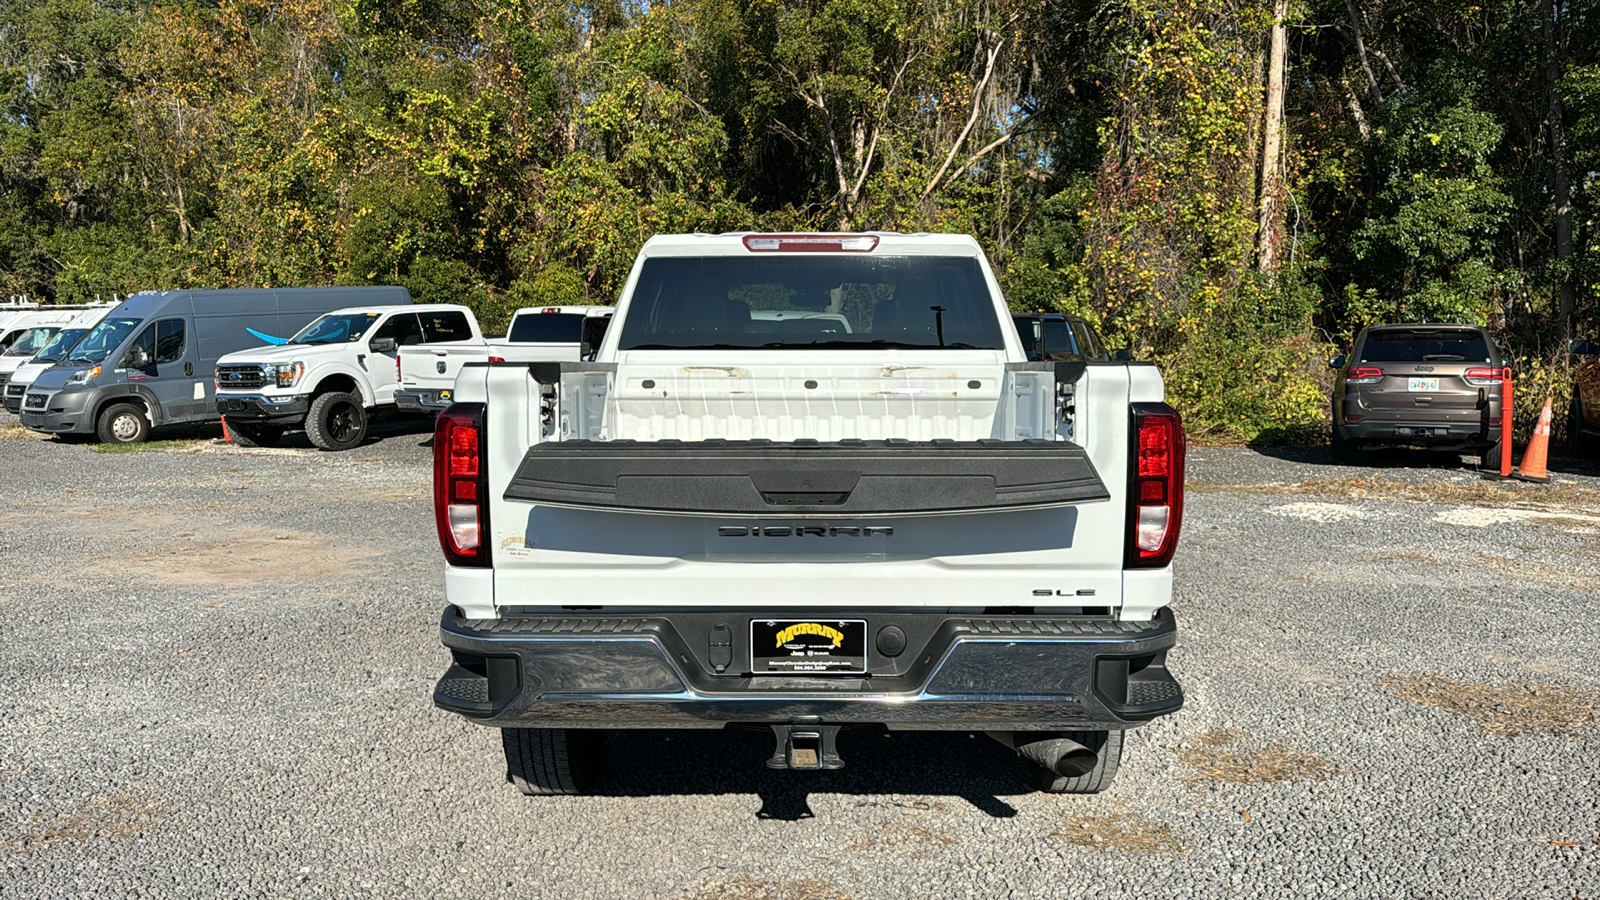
1361 50
1560 186
1270 249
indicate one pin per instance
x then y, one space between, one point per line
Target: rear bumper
263 407
956 673
1420 431
421 401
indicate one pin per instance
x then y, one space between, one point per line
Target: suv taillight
461 485
1363 375
1482 376
1155 488
397 378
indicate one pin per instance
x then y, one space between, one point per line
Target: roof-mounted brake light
812 243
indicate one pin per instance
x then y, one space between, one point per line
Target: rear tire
1490 455
1107 745
255 435
122 423
337 421
552 761
1340 449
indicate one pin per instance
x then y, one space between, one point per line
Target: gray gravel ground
217 664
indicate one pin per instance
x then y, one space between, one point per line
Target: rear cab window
827 302
1426 345
547 328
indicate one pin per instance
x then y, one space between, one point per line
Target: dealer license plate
1423 385
808 646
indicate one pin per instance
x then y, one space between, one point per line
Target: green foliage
503 153
1428 246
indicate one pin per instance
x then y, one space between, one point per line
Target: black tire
337 421
552 761
122 423
1107 744
1490 454
1340 450
255 435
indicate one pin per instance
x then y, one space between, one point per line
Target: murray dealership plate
808 646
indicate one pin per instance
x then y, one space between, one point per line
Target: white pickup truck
331 376
427 372
902 523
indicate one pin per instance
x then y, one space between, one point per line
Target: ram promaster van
54 351
149 362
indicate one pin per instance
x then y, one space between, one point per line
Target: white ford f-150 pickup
884 515
427 372
333 374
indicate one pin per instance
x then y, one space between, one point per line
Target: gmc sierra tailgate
962 523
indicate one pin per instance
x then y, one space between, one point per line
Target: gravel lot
217 666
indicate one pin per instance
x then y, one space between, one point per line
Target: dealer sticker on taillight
1423 385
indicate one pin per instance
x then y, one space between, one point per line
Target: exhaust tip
1078 761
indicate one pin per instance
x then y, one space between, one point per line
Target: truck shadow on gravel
971 767
1410 458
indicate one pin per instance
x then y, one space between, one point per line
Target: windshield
546 328
102 339
335 328
32 340
59 345
811 302
1430 345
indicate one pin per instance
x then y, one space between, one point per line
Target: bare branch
977 156
972 119
1361 51
877 127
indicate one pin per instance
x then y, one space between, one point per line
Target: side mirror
594 331
382 345
1123 355
1038 349
136 358
1336 363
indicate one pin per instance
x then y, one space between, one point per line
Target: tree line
1230 187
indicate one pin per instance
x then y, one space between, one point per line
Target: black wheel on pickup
1107 746
545 761
337 421
251 434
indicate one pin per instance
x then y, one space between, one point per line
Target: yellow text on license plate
1423 384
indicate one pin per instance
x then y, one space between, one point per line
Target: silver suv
1419 384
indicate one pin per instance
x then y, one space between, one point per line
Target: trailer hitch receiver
805 747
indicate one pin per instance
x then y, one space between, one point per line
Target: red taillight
1363 375
1155 495
460 485
815 243
1482 375
397 368
495 359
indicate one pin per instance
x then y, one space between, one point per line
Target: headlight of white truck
84 376
288 373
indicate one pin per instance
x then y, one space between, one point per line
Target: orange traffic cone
226 436
1533 459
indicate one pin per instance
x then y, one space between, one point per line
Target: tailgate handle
815 488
